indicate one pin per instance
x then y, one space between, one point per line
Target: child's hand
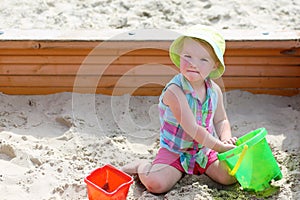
230 141
226 147
228 144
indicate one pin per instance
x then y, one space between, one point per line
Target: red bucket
108 182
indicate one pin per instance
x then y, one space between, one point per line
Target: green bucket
252 161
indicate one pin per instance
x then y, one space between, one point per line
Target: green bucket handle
238 163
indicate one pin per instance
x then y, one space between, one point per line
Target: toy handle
238 163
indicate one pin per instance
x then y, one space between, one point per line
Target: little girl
194 124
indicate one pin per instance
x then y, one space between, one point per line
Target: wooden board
116 63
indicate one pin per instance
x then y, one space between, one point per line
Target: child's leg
132 168
218 172
157 178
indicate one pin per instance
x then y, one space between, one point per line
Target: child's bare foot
132 168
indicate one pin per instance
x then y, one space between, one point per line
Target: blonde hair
202 42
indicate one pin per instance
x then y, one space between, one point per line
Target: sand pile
47 147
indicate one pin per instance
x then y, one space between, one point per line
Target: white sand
174 14
48 146
45 151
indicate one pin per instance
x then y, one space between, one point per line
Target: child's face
196 61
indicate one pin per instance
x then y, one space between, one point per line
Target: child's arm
221 121
177 102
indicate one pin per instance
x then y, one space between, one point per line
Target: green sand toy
252 161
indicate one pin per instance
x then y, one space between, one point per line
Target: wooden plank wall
140 67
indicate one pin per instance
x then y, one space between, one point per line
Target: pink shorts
165 156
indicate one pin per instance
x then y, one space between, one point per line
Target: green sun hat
207 34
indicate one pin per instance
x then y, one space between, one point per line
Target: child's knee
155 186
150 180
227 179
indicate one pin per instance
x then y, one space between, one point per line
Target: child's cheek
184 63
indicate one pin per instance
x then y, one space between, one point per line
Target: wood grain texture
91 62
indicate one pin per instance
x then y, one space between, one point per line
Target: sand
47 147
50 143
131 14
